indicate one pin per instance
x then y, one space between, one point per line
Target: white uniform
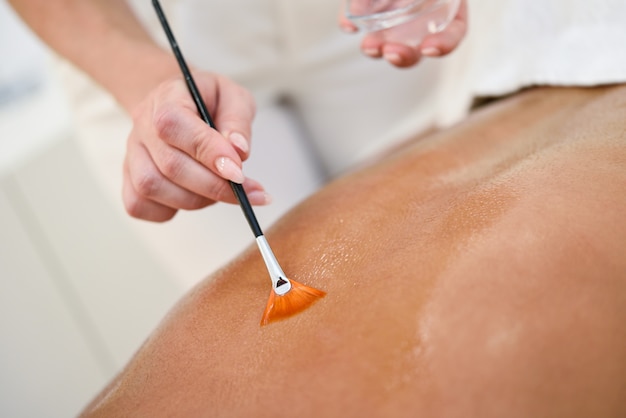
322 108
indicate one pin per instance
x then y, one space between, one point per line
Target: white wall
78 292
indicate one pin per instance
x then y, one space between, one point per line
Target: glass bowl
402 21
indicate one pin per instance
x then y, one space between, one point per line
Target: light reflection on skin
480 273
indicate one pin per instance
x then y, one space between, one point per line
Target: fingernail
393 57
239 141
259 197
372 52
348 28
431 51
229 170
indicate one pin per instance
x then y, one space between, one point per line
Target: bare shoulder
481 272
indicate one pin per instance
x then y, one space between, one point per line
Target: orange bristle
296 300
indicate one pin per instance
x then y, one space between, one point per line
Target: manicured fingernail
239 141
259 197
393 57
229 170
372 52
431 51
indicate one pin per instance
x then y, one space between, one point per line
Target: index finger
233 109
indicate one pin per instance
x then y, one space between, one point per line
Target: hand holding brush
287 297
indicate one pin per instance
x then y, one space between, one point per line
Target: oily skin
480 272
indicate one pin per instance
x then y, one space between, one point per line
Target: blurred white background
78 291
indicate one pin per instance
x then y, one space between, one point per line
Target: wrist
138 73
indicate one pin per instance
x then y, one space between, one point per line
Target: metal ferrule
276 273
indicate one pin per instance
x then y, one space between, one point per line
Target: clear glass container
402 21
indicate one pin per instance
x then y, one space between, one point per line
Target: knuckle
201 145
148 184
171 165
196 202
219 190
165 121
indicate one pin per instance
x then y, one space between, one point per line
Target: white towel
512 44
553 42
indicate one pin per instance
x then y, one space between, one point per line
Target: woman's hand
400 55
174 160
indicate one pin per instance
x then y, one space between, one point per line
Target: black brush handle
246 207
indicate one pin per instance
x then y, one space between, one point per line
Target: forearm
104 39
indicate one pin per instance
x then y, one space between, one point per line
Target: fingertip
256 193
229 170
393 57
344 23
430 51
347 27
240 143
372 46
259 198
443 43
401 56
